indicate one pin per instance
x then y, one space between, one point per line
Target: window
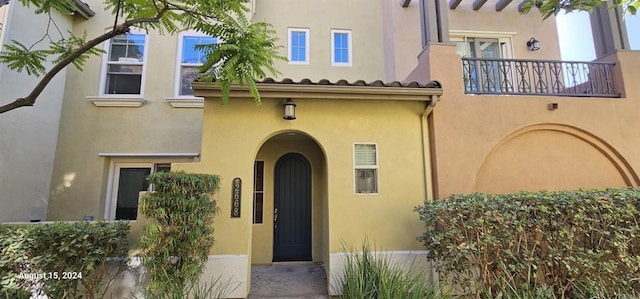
298 46
129 179
123 67
476 47
485 46
258 192
189 59
341 47
365 159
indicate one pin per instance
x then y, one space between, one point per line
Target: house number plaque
235 198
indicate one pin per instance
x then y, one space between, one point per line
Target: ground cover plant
566 244
371 275
81 264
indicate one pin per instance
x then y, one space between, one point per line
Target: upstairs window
189 60
365 157
298 46
341 47
123 68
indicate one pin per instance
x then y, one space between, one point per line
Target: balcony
538 77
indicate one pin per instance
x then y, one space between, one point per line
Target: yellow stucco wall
233 134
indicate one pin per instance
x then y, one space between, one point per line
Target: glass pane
341 47
189 53
123 84
187 75
366 181
365 154
132 181
127 47
164 167
259 176
125 69
298 46
258 208
489 49
464 49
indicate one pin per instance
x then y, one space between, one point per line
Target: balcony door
485 74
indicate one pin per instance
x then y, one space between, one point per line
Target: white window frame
349 45
504 38
177 76
113 181
290 31
356 167
105 64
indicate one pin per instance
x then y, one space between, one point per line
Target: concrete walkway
288 281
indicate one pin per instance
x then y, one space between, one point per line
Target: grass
368 275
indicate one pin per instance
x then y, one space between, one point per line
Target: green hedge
67 259
576 244
176 241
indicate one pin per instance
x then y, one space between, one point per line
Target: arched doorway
292 209
290 204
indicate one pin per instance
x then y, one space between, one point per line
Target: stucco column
609 30
434 21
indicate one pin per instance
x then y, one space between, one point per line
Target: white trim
114 178
503 38
233 271
477 33
127 159
349 48
120 101
104 67
177 75
149 155
376 167
186 102
306 45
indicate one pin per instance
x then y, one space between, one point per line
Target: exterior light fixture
289 110
533 44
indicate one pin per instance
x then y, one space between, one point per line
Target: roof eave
267 90
83 9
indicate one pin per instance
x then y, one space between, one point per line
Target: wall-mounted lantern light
533 44
289 110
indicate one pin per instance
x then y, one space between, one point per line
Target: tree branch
37 90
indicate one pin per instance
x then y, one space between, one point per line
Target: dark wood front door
292 209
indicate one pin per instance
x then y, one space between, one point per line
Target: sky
574 33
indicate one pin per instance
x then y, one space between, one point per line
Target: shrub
63 259
368 275
569 243
175 244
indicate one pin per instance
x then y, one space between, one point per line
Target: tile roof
343 82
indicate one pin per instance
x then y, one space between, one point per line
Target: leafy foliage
19 57
554 7
175 245
246 52
576 244
368 275
65 260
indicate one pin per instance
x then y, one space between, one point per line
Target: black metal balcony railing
538 77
